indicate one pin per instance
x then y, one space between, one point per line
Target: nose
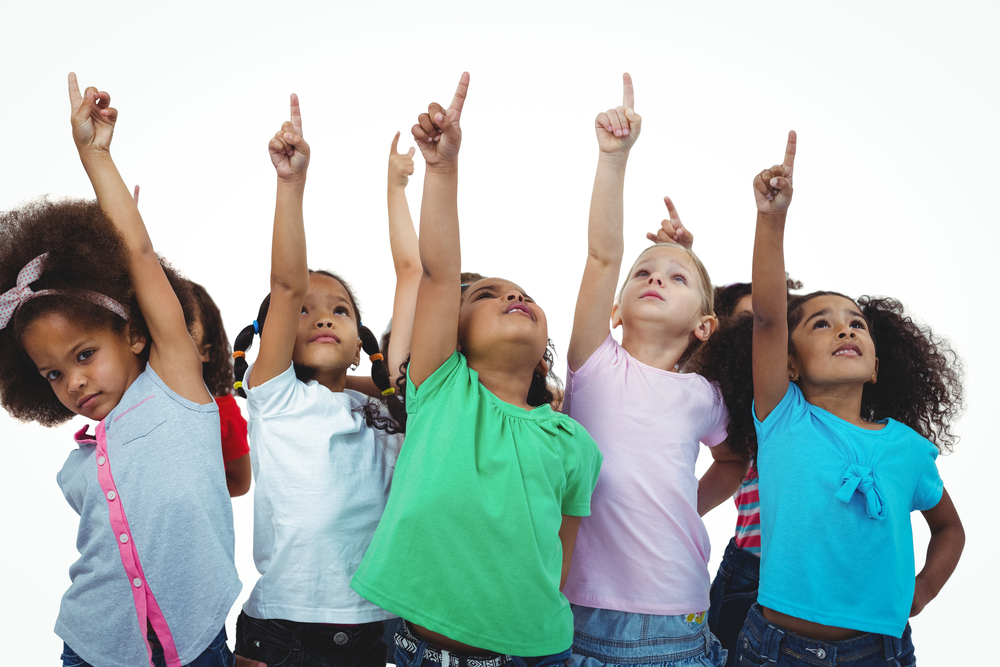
514 295
656 278
75 382
324 321
848 333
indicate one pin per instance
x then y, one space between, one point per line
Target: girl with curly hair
640 581
322 454
852 403
92 326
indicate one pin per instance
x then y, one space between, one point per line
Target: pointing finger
789 160
628 96
75 98
671 211
395 141
296 115
458 101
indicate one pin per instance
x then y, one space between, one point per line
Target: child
839 475
322 458
640 582
217 368
106 338
478 533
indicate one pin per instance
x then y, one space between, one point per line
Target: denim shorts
762 643
216 655
733 593
280 643
412 651
607 637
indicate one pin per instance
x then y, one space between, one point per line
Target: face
88 369
664 289
744 305
832 343
497 312
327 338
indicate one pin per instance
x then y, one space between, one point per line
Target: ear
136 340
357 354
705 328
874 378
793 372
616 315
542 367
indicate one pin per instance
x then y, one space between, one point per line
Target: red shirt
234 429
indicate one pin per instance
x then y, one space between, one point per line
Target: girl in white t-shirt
639 582
322 455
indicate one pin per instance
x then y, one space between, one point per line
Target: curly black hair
388 415
218 370
920 377
727 296
85 254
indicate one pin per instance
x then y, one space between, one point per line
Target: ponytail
395 421
243 342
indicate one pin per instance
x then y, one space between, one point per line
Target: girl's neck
332 379
658 351
842 400
507 384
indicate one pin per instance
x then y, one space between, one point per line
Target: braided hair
388 415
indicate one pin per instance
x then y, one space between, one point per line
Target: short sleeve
930 488
446 375
718 419
274 397
603 357
581 478
792 405
234 429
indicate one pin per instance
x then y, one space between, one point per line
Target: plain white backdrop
895 104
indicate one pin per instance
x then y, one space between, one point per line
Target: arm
943 551
435 323
172 352
289 271
238 475
405 259
567 535
617 129
722 478
773 194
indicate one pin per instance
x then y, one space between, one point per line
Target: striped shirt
748 506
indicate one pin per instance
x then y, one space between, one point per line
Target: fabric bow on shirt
859 478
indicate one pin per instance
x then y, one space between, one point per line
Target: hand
400 164
438 132
672 230
247 662
921 596
772 188
618 128
289 151
93 119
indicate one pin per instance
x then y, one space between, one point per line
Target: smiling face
89 369
665 288
496 312
327 339
832 344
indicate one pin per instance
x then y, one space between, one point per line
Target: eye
858 324
821 324
86 354
680 279
641 273
485 294
304 311
52 376
341 310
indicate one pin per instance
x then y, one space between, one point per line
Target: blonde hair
707 293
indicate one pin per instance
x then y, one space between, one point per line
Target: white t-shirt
322 479
643 549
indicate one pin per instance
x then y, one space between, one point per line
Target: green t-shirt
469 545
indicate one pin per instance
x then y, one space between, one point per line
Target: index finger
628 94
789 160
296 115
671 210
395 141
458 101
75 98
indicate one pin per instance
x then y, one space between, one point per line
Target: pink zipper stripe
146 608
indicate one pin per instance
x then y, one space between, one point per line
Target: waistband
740 559
773 640
410 643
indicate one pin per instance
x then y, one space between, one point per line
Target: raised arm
435 323
773 193
617 129
405 258
289 270
172 353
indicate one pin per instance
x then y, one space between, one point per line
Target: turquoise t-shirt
469 545
835 503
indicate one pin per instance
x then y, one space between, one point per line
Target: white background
895 191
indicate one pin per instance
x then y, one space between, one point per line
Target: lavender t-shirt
643 549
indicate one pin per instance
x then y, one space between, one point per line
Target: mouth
87 401
651 293
325 337
847 350
519 307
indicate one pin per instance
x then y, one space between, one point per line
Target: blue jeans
607 637
762 643
733 593
412 651
216 655
280 643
